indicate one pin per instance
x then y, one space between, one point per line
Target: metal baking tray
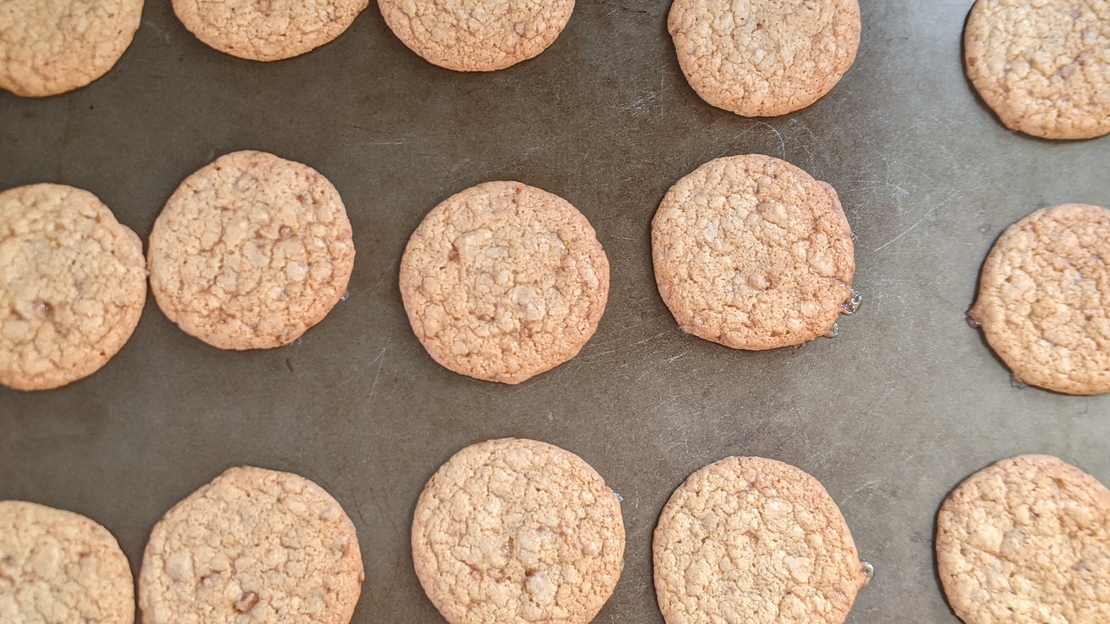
890 415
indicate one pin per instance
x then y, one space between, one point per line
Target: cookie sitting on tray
753 253
1044 67
504 281
251 251
1043 299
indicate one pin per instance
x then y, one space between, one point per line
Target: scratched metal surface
889 416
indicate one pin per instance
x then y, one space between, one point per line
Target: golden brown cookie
1044 66
1026 541
253 545
72 285
761 58
748 539
58 566
251 251
1044 299
515 531
50 47
504 281
753 253
476 35
267 30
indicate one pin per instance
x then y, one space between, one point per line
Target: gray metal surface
889 416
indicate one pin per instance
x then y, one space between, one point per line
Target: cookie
267 30
752 253
251 251
1043 297
1043 67
477 35
1026 540
748 539
72 285
762 58
58 566
514 531
253 545
48 48
504 281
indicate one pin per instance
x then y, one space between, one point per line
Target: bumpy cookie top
53 47
1044 66
517 531
251 251
253 545
753 253
1044 299
72 285
58 566
1026 540
267 30
761 58
748 539
504 281
476 35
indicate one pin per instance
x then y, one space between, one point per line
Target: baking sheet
890 415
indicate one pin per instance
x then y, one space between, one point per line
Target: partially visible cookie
251 251
515 531
1026 540
1043 299
52 47
762 58
253 545
748 539
58 566
1044 67
267 30
72 285
504 281
753 253
476 35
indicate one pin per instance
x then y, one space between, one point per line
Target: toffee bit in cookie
852 305
246 602
868 571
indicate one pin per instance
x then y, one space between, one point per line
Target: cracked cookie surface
72 285
753 253
58 566
254 545
1043 67
477 35
748 539
1044 299
251 251
517 531
48 48
762 58
504 281
267 30
1026 540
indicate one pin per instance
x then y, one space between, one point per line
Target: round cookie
251 251
1043 297
267 30
515 531
504 281
58 566
762 58
72 283
477 35
48 48
253 545
1044 67
752 253
1027 541
752 539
